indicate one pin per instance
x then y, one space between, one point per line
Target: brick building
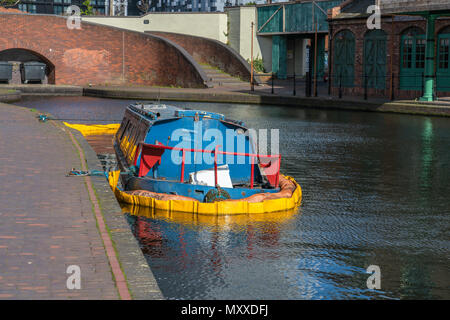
397 61
57 6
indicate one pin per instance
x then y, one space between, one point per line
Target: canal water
375 192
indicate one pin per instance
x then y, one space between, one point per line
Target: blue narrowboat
191 153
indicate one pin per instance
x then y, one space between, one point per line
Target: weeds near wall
258 64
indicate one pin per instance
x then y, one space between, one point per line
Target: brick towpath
47 220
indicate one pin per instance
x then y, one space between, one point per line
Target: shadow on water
375 192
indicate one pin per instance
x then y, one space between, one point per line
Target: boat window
134 134
130 129
125 127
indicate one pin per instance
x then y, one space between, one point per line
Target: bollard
365 87
435 87
340 86
272 83
315 86
393 87
294 92
423 85
308 84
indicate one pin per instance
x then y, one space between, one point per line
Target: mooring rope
45 118
81 173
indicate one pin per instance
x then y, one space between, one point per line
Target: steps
218 78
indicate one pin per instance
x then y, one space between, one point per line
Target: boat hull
131 182
197 192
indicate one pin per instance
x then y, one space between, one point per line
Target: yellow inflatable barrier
215 208
94 129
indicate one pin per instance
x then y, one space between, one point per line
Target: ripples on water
375 191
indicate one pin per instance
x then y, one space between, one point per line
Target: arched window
344 58
375 59
443 65
412 58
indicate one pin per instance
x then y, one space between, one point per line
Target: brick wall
212 52
394 32
98 54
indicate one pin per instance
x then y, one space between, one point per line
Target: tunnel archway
20 55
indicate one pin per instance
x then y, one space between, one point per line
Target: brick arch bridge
97 54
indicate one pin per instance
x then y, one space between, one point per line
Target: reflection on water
216 222
206 256
375 192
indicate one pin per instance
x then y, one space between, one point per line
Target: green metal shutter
344 59
275 24
375 59
279 63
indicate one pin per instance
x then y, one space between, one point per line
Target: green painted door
279 55
443 65
344 59
375 59
412 61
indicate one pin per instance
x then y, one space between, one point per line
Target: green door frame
412 61
443 63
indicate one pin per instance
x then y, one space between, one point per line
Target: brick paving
47 220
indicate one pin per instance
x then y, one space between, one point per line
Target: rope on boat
217 194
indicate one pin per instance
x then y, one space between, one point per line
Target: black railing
367 86
390 85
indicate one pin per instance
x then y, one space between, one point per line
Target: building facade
58 7
185 5
405 59
130 7
296 30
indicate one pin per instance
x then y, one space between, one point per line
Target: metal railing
310 86
393 84
143 146
390 84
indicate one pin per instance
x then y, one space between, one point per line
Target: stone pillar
429 60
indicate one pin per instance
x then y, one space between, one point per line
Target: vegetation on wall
89 10
8 3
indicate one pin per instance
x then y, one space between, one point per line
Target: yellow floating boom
215 208
94 129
